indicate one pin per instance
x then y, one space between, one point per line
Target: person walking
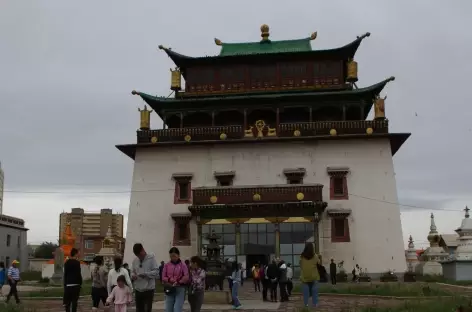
289 279
99 283
197 283
236 278
72 281
256 278
309 275
273 274
175 279
13 277
144 272
3 276
161 267
283 281
121 295
332 272
265 281
113 274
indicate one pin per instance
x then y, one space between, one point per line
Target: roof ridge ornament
265 33
218 42
313 35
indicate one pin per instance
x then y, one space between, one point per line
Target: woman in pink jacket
175 278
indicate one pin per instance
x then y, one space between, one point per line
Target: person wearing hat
13 276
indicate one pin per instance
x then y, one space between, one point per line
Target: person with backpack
175 278
117 271
256 278
309 275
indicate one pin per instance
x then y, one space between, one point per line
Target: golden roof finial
265 32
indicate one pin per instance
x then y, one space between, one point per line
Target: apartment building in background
1 188
90 228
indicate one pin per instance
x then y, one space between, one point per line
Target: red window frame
335 223
178 184
332 183
178 240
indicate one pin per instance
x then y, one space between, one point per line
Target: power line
172 189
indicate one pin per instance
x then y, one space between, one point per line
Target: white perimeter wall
375 226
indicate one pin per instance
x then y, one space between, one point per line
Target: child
120 294
236 279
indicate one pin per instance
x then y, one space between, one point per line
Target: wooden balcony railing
254 194
301 129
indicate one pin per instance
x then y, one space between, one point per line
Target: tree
45 250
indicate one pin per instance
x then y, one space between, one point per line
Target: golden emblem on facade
300 196
297 133
369 131
333 132
352 71
260 130
256 197
154 139
223 136
379 107
187 138
213 199
175 80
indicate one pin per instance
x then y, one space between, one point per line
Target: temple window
183 188
339 225
181 229
224 178
8 240
295 176
338 183
89 244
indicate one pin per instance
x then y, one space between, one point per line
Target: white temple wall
375 226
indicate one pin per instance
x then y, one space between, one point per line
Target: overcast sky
67 71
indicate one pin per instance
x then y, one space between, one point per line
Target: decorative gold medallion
369 131
187 138
213 199
297 133
223 136
256 197
154 139
333 132
260 125
300 196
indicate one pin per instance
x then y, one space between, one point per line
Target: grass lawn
383 289
436 305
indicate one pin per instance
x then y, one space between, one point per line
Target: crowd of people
180 280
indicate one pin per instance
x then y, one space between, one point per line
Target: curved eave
366 94
396 141
345 52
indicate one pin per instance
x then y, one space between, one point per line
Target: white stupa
464 249
459 266
434 254
109 249
411 256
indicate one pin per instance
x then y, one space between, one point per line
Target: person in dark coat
273 275
283 281
332 272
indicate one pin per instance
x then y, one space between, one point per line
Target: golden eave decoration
300 196
256 197
213 199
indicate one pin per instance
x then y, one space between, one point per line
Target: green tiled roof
264 47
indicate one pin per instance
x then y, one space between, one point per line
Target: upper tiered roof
266 48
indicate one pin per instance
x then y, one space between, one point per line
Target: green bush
30 276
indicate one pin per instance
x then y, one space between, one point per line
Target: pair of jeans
273 290
71 297
310 288
265 287
99 294
13 291
289 287
257 284
144 300
195 300
175 302
234 294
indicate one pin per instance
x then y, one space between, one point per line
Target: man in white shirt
289 279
